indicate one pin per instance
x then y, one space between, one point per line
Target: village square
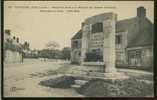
107 58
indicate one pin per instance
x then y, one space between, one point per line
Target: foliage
46 53
60 82
66 53
55 53
119 88
10 46
25 46
52 45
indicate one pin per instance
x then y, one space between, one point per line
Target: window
75 44
96 50
97 27
118 39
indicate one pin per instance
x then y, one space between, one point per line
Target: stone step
75 86
80 82
97 74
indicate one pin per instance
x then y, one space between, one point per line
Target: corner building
103 39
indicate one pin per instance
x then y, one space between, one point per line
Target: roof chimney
141 12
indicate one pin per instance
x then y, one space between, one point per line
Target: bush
60 82
119 88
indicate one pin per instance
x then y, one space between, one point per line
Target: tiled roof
139 31
78 35
138 34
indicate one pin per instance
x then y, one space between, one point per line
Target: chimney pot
141 12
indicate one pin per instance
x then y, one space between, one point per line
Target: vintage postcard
78 49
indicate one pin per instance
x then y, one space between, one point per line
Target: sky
32 22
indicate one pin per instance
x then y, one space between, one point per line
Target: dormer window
97 27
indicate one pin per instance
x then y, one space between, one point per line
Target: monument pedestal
108 76
115 76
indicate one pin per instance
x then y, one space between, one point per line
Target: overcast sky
38 27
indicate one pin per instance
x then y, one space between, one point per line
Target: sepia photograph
78 49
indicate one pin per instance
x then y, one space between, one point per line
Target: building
127 43
12 48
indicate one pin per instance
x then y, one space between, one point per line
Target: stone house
12 48
130 44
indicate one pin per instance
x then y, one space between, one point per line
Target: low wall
100 66
93 63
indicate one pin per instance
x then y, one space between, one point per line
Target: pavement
22 79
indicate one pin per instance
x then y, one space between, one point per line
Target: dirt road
22 80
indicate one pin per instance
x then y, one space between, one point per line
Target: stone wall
108 38
92 41
139 58
76 51
147 56
75 56
121 55
12 56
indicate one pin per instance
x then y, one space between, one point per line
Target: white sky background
38 28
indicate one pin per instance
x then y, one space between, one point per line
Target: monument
105 37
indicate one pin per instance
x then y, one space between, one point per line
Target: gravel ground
22 80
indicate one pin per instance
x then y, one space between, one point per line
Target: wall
76 51
75 56
143 58
147 57
92 41
121 55
12 56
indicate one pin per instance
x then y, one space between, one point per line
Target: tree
52 45
66 53
26 46
51 51
51 54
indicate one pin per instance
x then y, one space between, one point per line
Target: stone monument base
116 75
112 76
